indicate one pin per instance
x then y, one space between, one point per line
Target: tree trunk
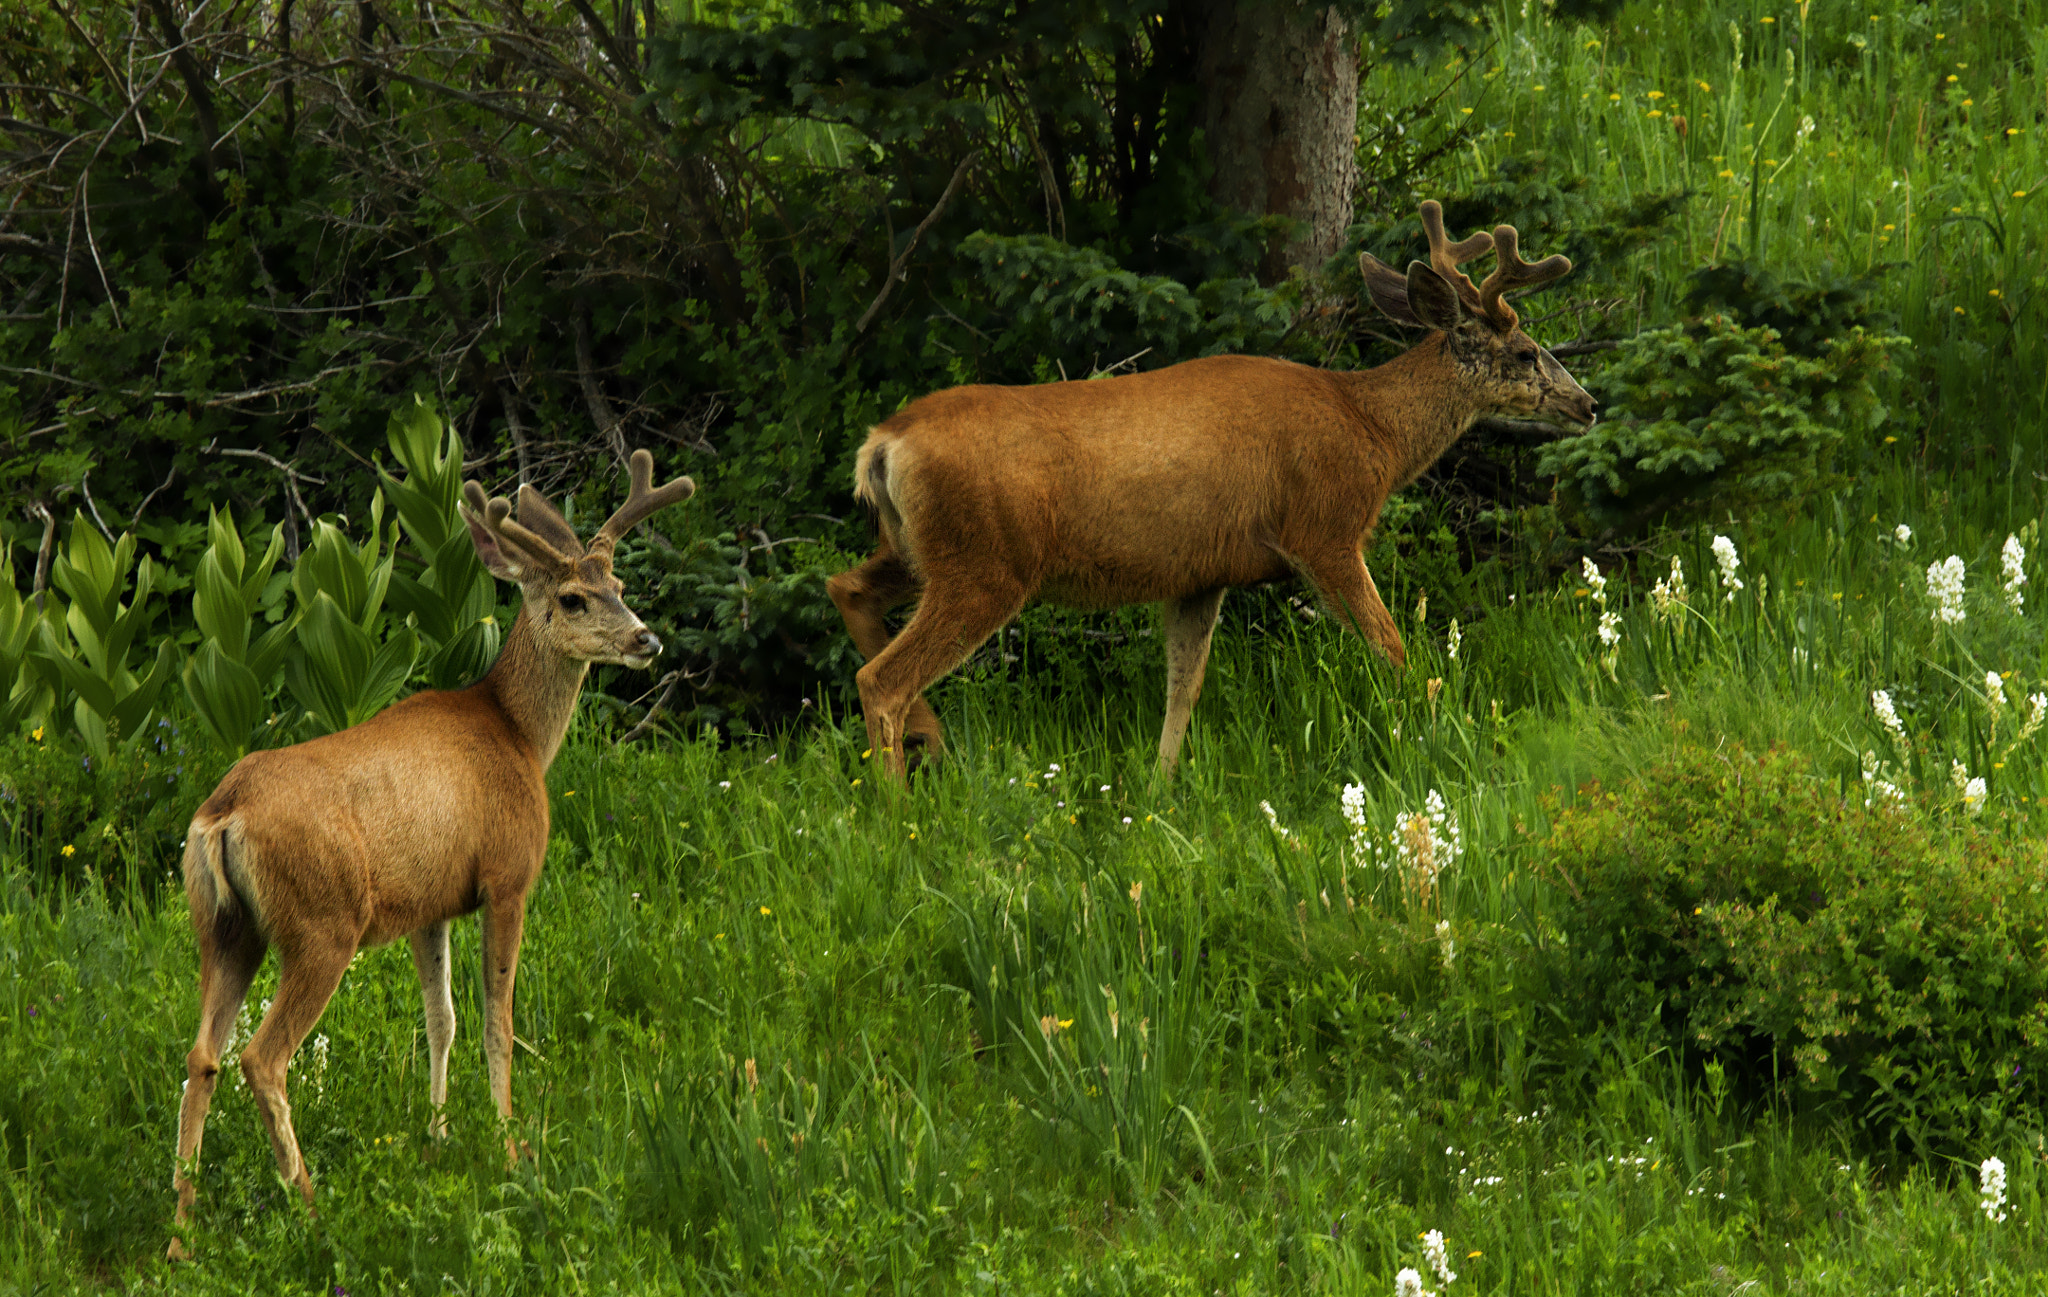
1280 111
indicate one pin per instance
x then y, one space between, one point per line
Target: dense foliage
1665 938
1866 957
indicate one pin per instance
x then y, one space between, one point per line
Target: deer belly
1152 553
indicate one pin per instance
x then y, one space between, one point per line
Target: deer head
569 589
1502 368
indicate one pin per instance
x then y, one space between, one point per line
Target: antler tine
643 499
1511 272
1444 255
496 516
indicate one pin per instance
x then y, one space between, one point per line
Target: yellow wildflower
69 851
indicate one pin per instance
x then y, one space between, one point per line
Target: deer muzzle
642 648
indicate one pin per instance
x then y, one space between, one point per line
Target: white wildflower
1353 803
320 1063
1610 629
1423 843
1443 938
1433 1251
1669 594
1455 638
1882 792
1887 716
1945 587
1902 534
1994 689
2014 558
1724 555
1991 1189
1273 820
2037 712
1408 1283
1973 789
1595 581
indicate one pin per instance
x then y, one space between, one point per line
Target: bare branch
895 274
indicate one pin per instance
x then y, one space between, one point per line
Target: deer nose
646 642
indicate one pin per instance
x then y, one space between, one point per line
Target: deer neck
535 687
1417 397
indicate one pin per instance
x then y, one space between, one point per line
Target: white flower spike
1724 555
1945 587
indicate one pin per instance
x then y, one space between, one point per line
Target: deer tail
871 484
217 883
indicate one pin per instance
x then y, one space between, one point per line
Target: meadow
1367 968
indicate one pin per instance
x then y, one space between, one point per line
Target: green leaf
333 661
269 650
410 598
62 671
226 696
133 711
218 605
463 660
387 674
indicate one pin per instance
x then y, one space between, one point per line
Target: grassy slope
788 1031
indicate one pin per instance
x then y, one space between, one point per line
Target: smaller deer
1175 485
430 809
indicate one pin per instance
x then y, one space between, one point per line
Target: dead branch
895 274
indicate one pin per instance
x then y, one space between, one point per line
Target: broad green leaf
410 598
387 674
218 607
463 660
269 650
61 670
131 712
226 696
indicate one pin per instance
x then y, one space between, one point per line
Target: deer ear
1386 287
495 558
1431 298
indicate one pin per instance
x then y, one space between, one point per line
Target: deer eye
571 602
1530 358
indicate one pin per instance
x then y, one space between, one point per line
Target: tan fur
433 808
1170 486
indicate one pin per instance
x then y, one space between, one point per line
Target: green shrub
1885 964
1716 410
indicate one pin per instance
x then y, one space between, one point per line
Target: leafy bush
1716 410
1883 963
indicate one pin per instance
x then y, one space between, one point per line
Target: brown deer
430 809
1175 485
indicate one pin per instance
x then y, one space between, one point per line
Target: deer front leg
1344 584
504 923
430 960
864 595
952 620
225 972
1190 623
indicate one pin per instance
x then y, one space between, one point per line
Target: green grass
787 1030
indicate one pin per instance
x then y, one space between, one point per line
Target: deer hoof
177 1251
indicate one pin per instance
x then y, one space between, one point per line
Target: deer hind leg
951 621
306 980
504 924
864 595
1190 623
430 960
228 960
1345 585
